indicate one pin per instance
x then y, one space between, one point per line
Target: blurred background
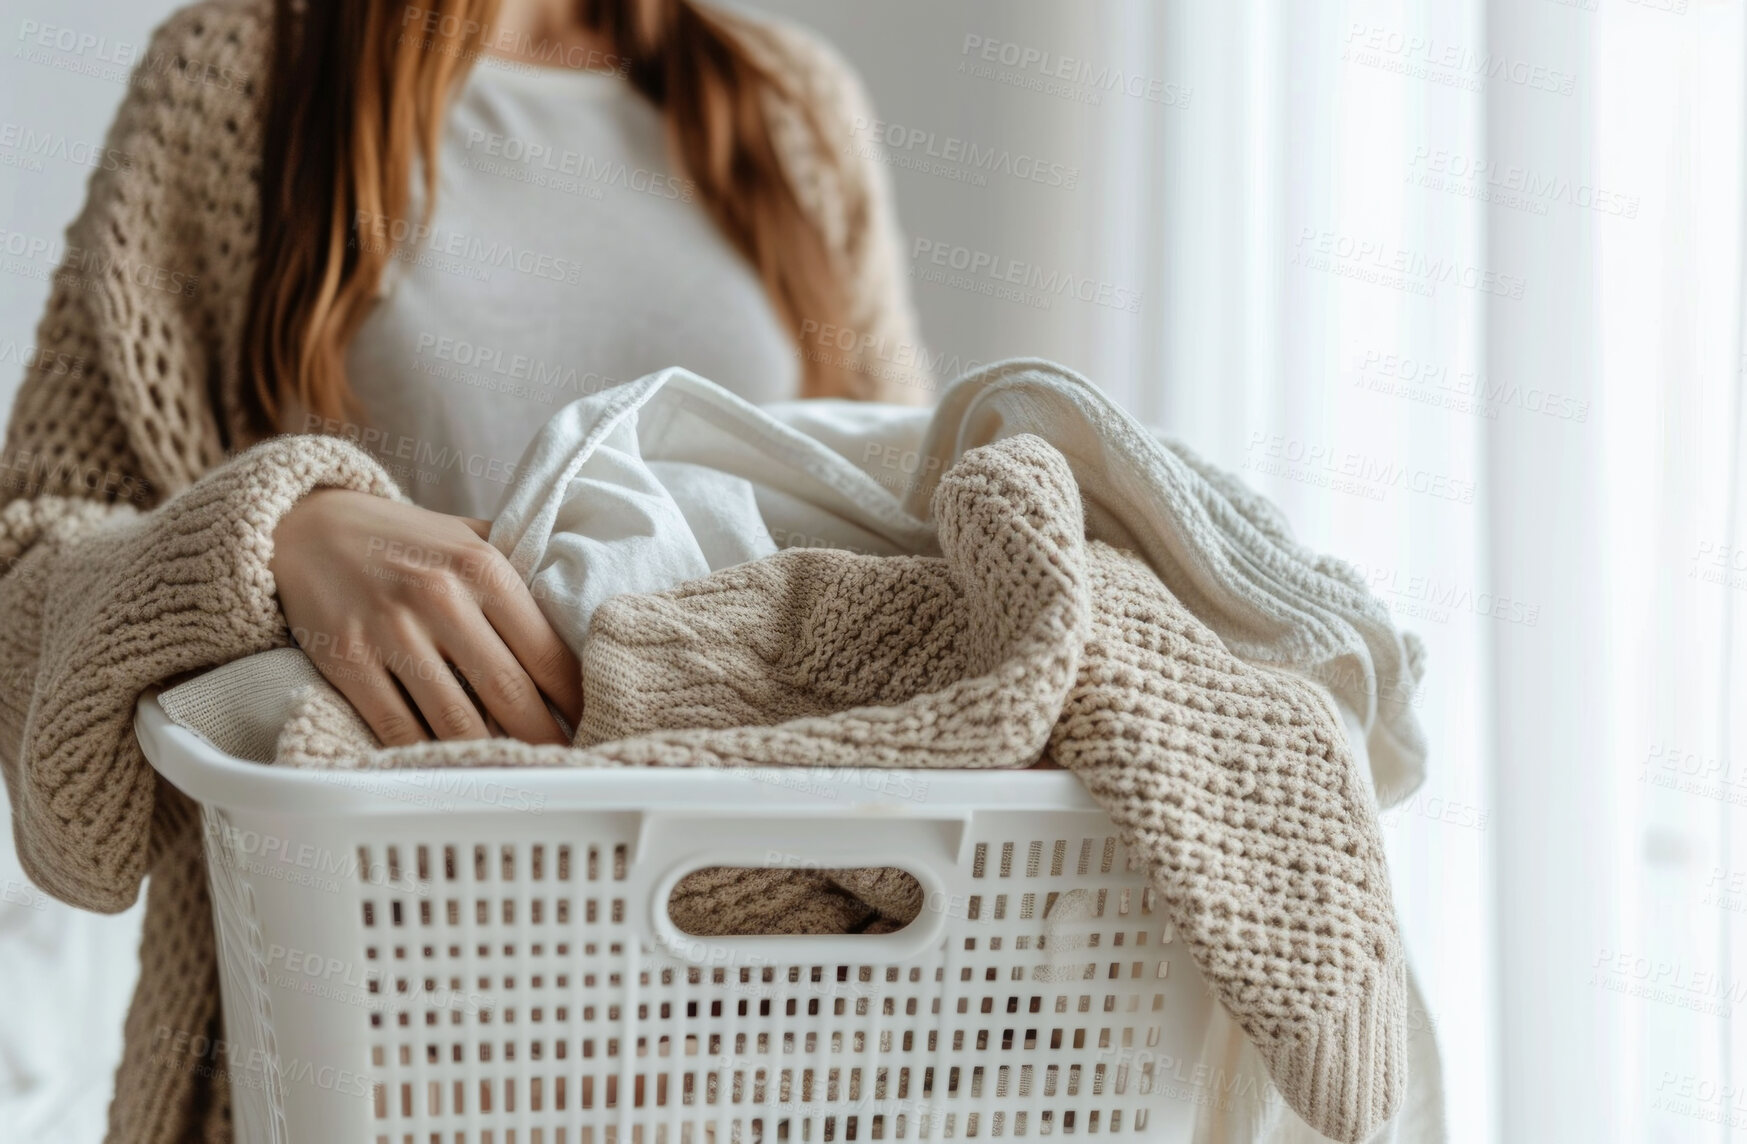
1460 286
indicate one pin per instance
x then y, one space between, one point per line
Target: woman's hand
385 596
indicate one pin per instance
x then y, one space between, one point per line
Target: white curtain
1460 286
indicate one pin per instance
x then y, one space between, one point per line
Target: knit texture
1233 784
1236 783
1223 550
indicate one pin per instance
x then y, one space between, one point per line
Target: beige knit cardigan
135 531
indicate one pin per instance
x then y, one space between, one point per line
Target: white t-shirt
565 254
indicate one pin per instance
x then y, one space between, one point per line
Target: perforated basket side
523 991
250 1052
487 957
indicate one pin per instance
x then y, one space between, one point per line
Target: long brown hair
358 89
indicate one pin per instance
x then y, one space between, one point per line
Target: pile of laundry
1021 574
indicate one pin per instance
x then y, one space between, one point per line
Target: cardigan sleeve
890 354
849 195
102 601
130 550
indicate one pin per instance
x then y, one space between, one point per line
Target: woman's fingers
372 691
414 588
509 693
445 704
510 609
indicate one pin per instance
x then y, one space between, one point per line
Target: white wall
914 58
58 104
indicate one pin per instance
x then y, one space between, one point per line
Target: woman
563 237
325 202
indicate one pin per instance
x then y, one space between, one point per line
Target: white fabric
670 477
565 255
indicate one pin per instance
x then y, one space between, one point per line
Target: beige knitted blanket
1022 641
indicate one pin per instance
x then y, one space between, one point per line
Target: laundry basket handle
672 846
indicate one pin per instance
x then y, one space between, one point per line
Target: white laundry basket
485 957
